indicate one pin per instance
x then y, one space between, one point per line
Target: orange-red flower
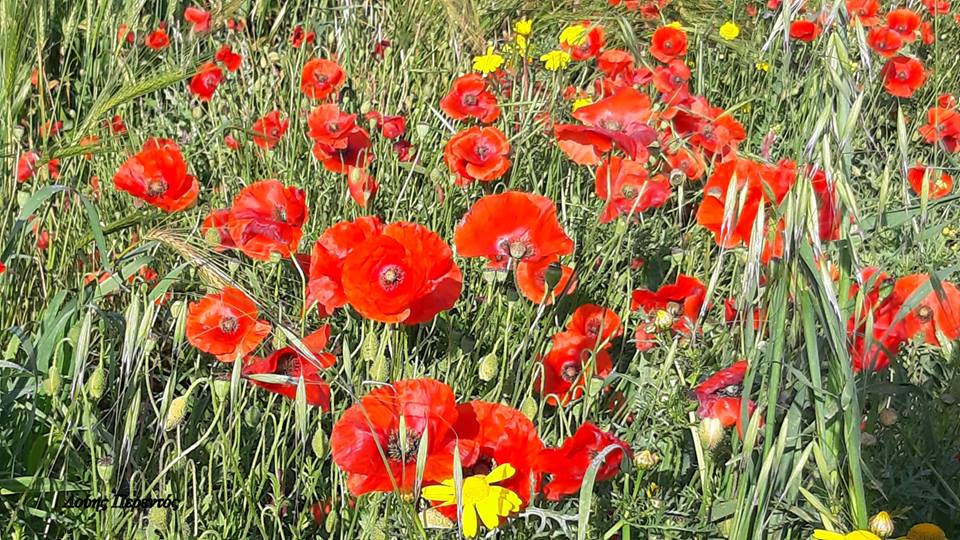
228 58
320 78
225 325
586 44
362 186
720 396
683 299
932 311
828 209
905 22
158 39
158 175
338 142
511 226
531 278
269 129
668 43
804 30
215 230
470 98
937 187
391 127
671 80
199 18
568 366
266 218
689 162
943 126
627 189
287 365
205 82
477 154
598 324
621 119
370 431
325 286
903 75
568 464
709 128
27 166
885 41
865 11
405 274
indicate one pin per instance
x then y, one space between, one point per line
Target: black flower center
400 451
157 188
470 99
229 325
390 277
570 372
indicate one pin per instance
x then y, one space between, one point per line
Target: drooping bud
319 443
489 367
881 525
332 519
157 517
105 468
529 407
711 433
176 413
97 383
889 416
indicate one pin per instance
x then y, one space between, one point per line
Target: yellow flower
821 534
521 42
763 66
574 35
729 31
675 24
487 63
555 60
925 531
580 102
480 497
523 27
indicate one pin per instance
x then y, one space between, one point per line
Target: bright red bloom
828 208
215 229
885 41
477 154
339 143
325 286
918 175
905 22
269 129
27 166
158 175
51 128
511 225
125 34
373 426
53 168
320 78
671 80
865 11
712 129
391 127
568 367
287 365
720 396
158 39
225 325
615 62
568 464
231 141
470 98
689 162
361 185
903 75
622 119
804 30
936 7
531 278
117 126
933 311
683 299
228 58
598 324
943 126
199 18
626 188
584 145
668 44
587 44
266 218
405 274
205 82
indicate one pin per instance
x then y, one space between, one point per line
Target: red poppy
269 129
320 78
380 48
51 128
158 39
43 240
286 366
231 141
598 324
369 444
668 44
568 464
683 299
932 311
339 143
587 44
299 37
903 75
804 30
470 98
720 396
531 280
943 126
477 154
689 162
158 175
405 274
937 7
568 367
625 116
709 128
228 58
731 315
205 82
361 185
215 230
27 166
511 225
864 11
876 351
266 218
671 80
391 127
199 18
404 150
117 126
905 22
584 145
919 175
53 168
325 286
625 186
615 62
225 325
125 34
884 41
828 208
89 141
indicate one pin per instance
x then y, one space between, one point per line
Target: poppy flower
932 311
404 151
27 166
511 226
287 365
477 154
598 324
875 351
903 75
391 127
362 186
804 30
683 300
568 464
158 175
215 230
231 141
225 325
688 162
919 175
864 11
943 126
320 78
627 189
125 34
709 128
615 62
228 58
568 366
51 128
828 209
885 41
625 117
199 18
720 396
117 126
668 44
299 37
584 145
43 240
731 315
338 142
266 218
269 129
205 82
53 168
905 22
325 285
936 7
469 97
671 80
158 39
531 278
372 426
405 274
582 41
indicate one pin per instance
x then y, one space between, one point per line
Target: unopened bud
369 347
489 367
176 413
97 383
433 519
157 517
221 389
552 276
645 459
105 468
529 407
889 416
332 519
319 443
881 525
663 320
711 433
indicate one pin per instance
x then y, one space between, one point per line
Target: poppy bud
157 517
332 518
529 407
51 385
177 412
97 383
319 443
212 237
889 416
221 389
663 319
433 519
379 370
553 275
369 347
710 432
881 525
489 367
196 113
105 468
645 459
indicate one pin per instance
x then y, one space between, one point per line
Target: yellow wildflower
729 31
574 35
555 60
480 497
487 63
821 534
581 102
763 66
523 27
675 24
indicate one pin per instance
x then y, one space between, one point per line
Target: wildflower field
594 269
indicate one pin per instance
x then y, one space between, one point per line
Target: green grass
244 463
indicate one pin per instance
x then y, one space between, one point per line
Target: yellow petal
487 509
821 534
501 473
506 500
469 521
438 493
861 535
